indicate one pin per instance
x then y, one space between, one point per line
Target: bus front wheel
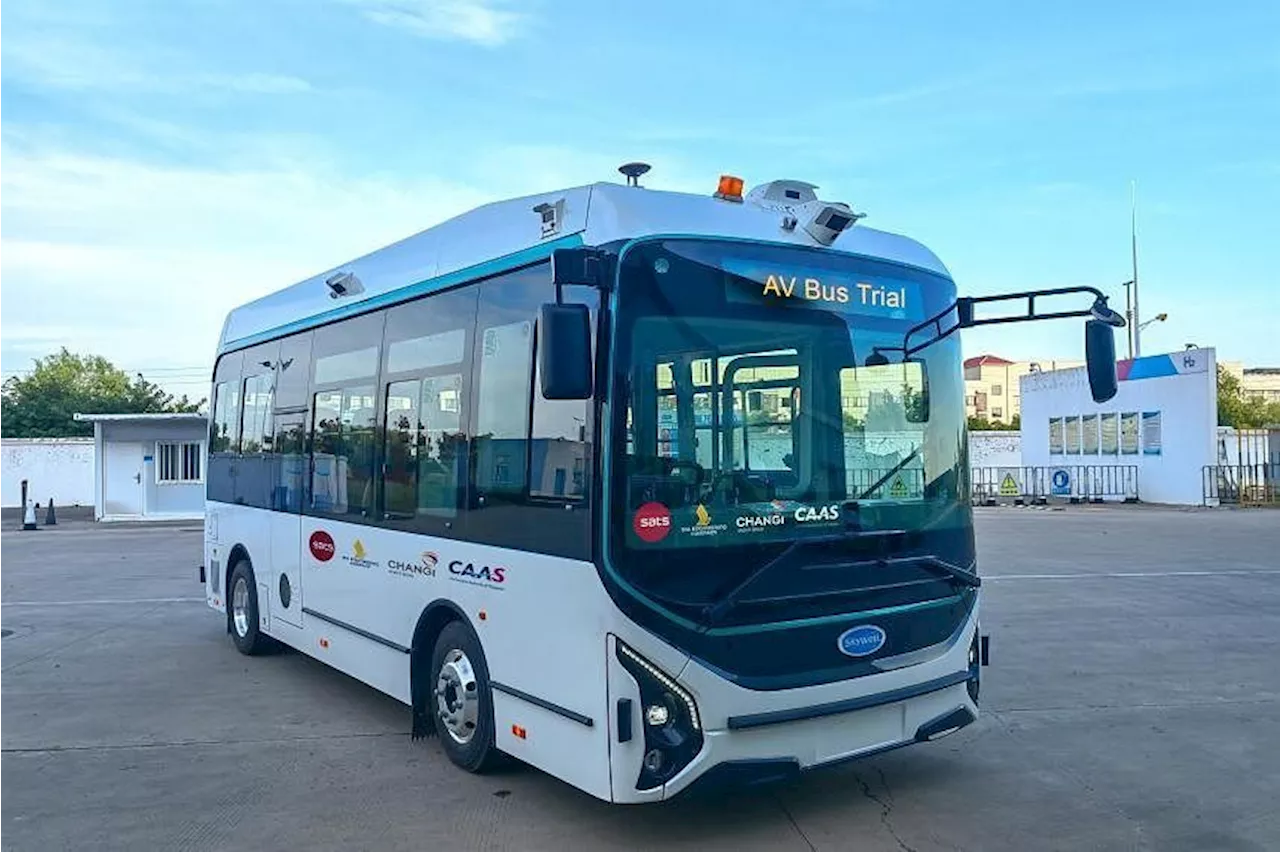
461 699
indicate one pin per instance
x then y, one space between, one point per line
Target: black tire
468 747
244 632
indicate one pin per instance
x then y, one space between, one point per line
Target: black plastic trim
373 637
951 720
543 703
795 714
624 720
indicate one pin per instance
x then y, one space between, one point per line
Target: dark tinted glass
224 429
293 371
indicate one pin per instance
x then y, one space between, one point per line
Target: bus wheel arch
433 620
243 620
237 555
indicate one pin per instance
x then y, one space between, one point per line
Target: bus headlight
672 727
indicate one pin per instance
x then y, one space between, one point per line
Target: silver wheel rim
458 697
240 607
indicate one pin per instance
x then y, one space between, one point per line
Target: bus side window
224 429
343 418
424 396
530 459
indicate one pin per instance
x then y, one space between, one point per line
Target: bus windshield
764 400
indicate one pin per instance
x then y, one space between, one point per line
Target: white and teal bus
645 489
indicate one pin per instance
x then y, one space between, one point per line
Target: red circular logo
652 522
322 546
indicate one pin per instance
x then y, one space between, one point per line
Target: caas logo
811 514
651 522
477 575
321 544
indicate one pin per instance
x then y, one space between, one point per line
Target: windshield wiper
716 612
962 575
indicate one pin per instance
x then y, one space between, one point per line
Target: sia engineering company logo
358 559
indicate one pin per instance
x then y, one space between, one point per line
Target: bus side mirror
564 351
1100 358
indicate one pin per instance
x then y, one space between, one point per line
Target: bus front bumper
768 748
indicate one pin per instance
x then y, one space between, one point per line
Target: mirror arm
963 308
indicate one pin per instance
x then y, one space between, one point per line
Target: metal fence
1241 484
1020 486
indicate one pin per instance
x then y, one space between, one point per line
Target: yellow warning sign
898 488
1009 487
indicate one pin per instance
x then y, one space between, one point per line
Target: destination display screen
760 283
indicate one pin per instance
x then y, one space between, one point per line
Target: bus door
286 522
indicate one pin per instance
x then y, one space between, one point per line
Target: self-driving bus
649 490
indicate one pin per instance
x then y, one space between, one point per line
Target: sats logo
321 545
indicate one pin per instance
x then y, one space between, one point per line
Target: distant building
991 384
1256 381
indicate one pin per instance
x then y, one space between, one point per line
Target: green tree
982 424
44 403
1240 409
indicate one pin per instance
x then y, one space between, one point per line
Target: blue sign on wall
1060 482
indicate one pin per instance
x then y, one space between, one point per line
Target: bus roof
507 234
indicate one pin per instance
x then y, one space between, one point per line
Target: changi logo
321 545
759 522
813 290
424 566
861 640
477 575
809 514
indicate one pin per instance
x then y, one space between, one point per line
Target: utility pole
1133 240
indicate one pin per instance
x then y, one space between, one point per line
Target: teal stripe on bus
486 269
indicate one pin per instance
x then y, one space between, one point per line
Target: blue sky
164 161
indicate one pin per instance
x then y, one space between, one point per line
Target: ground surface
1133 702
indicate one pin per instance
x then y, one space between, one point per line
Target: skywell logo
861 640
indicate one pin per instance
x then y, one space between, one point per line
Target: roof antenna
633 171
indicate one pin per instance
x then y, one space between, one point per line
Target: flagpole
1133 240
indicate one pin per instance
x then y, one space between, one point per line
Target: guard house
148 466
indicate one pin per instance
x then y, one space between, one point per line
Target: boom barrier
1097 483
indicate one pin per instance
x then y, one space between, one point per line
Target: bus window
423 449
342 452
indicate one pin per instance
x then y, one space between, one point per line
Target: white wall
1181 386
57 468
995 449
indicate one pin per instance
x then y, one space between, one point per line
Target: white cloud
483 22
60 62
141 262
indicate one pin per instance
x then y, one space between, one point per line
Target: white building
148 466
1162 421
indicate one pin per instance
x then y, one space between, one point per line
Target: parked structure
148 465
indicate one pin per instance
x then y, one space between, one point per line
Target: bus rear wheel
242 612
461 700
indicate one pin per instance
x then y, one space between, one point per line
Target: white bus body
368 591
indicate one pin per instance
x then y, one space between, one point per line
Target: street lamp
1156 318
1137 329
